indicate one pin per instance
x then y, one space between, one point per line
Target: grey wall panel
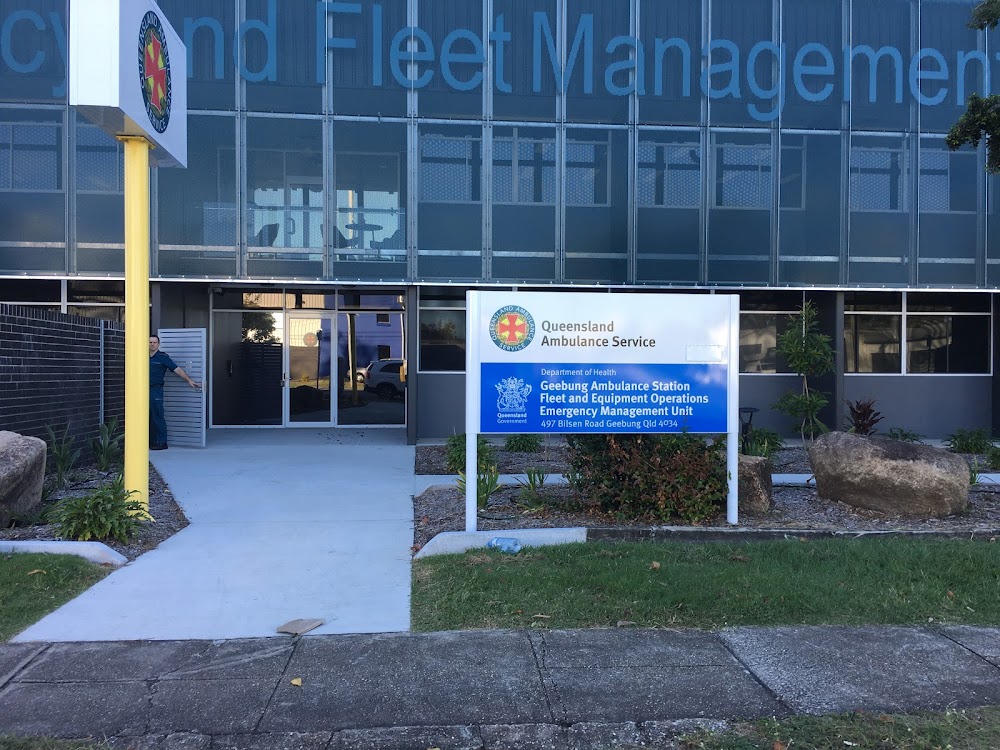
933 405
761 391
440 405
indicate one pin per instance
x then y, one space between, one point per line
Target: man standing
159 363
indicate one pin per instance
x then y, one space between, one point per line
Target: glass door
311 372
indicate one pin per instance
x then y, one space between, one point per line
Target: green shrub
993 458
455 453
969 441
107 446
904 436
763 442
810 354
523 443
667 476
109 512
487 482
531 485
62 457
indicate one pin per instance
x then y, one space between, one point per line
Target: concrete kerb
95 552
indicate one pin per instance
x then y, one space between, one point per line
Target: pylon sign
128 74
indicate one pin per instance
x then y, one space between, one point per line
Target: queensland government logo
154 71
512 328
512 401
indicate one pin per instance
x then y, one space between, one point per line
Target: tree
982 113
810 354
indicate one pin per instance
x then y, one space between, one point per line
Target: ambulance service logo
154 71
512 328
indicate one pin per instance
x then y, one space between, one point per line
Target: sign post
128 75
592 363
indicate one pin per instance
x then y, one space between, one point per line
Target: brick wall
50 373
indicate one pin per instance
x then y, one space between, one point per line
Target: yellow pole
137 317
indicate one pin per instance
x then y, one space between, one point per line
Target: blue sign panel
603 398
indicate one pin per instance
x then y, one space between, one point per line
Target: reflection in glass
948 344
759 334
442 340
372 364
871 343
309 371
247 368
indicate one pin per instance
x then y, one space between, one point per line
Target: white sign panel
599 363
128 73
579 363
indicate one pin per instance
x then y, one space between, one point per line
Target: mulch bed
442 508
167 515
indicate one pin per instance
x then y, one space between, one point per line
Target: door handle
290 227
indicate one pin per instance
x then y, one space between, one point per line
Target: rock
889 476
22 473
755 485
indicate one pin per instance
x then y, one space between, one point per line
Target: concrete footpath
562 690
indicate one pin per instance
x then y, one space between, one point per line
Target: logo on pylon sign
512 328
154 71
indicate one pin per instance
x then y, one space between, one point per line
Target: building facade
355 167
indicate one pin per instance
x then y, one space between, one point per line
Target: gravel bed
442 508
167 515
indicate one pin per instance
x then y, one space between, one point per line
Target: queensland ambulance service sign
128 73
568 362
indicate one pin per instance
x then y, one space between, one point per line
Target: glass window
948 344
208 30
947 302
880 52
759 342
284 197
105 312
515 93
32 198
100 164
606 96
749 94
363 79
247 368
743 175
814 67
247 299
100 214
442 340
672 36
596 205
279 57
33 67
951 190
198 224
873 302
871 343
944 28
450 213
668 197
881 188
30 290
739 219
809 219
669 174
524 203
455 28
106 292
369 174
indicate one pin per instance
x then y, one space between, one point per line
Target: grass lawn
836 582
972 729
31 586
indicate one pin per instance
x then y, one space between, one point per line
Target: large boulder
889 476
755 485
22 473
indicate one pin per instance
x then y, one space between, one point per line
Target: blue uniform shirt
159 363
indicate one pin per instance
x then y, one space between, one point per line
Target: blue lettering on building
409 58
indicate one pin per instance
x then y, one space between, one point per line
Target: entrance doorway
312 378
304 358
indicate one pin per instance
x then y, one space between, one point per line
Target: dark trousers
157 421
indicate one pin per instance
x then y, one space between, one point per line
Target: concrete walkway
483 690
284 525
